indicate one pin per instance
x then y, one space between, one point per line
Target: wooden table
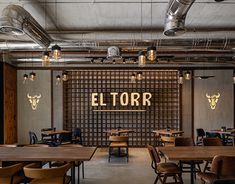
171 132
69 154
196 153
119 131
52 132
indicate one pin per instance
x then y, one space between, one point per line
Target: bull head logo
34 100
213 99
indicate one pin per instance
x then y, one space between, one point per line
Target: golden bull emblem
34 100
213 99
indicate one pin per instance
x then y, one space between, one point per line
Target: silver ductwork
15 20
175 17
113 53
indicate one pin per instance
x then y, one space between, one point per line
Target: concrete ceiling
132 24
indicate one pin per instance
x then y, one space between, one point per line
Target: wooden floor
118 171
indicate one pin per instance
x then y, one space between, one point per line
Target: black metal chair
33 139
77 133
200 135
45 137
224 181
65 138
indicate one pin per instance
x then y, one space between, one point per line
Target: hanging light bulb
181 79
56 52
25 77
139 76
45 58
187 75
234 77
133 78
58 80
151 54
32 76
141 59
65 76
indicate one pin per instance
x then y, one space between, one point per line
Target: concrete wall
28 119
222 115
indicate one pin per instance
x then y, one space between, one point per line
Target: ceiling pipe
15 20
175 17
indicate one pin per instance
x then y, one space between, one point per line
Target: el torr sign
125 99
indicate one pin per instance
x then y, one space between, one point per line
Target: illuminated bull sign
34 100
125 99
213 99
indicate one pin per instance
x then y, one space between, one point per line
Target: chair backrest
114 138
65 137
9 171
210 141
33 139
47 129
77 133
223 166
200 132
34 171
184 141
213 134
153 154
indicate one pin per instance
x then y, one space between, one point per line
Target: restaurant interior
112 91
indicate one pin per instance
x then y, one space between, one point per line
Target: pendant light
139 76
58 80
133 78
151 53
65 76
45 58
141 59
32 76
181 78
56 52
187 75
25 78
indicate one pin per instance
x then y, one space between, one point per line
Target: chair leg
127 154
180 178
164 179
109 153
83 170
155 182
206 166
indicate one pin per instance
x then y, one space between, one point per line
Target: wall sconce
32 76
45 58
187 75
58 80
151 54
56 52
141 59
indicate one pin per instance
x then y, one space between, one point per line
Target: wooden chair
211 141
118 142
77 163
40 175
222 167
187 141
167 140
11 174
164 170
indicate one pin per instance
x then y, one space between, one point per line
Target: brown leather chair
211 141
164 170
11 174
187 141
40 175
118 142
222 167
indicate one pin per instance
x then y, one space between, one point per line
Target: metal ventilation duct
15 20
175 17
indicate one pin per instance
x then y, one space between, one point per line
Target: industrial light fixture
65 76
133 78
234 77
45 58
151 53
56 52
32 76
25 78
58 80
141 59
181 78
139 76
187 75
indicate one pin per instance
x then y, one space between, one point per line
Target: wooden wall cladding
1 105
10 104
163 112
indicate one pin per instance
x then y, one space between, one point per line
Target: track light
56 52
141 59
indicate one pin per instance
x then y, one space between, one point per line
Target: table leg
73 173
192 168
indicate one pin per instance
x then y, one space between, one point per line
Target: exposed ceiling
86 28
